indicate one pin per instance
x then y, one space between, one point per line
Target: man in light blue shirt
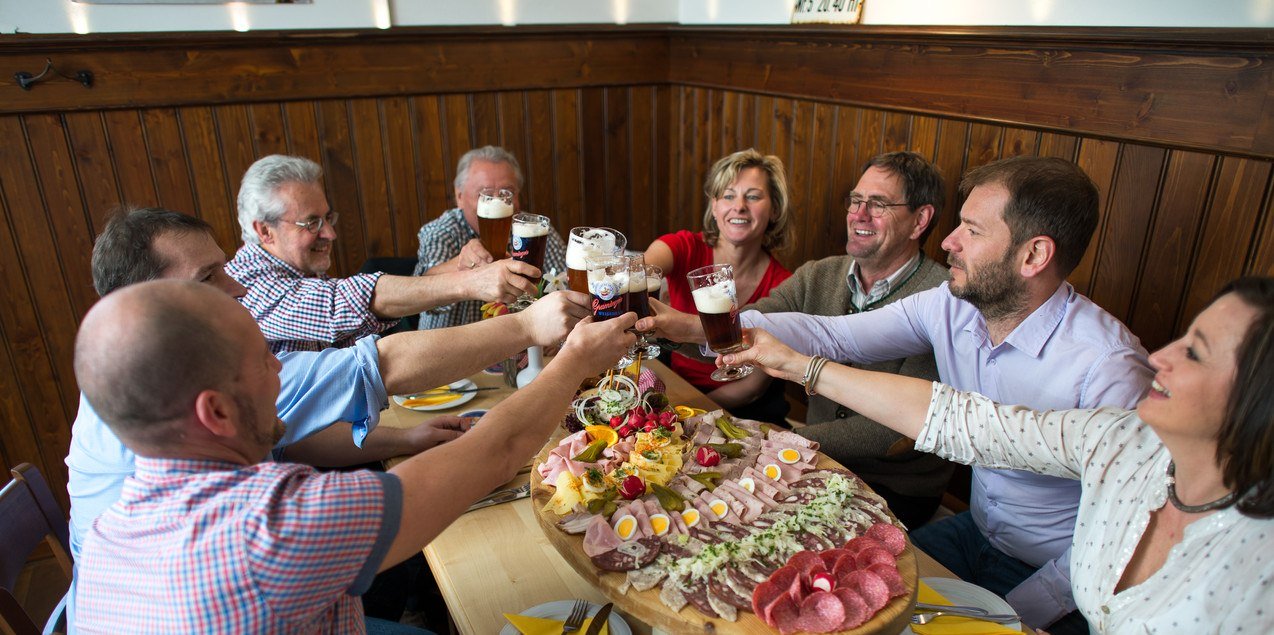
331 400
1008 325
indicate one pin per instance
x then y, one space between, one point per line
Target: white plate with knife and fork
615 625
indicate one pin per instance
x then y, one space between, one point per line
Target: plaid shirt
209 547
441 240
304 313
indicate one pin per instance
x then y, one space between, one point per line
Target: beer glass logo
521 246
604 290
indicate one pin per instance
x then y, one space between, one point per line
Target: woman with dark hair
1177 511
745 223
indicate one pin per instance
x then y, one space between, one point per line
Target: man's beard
996 291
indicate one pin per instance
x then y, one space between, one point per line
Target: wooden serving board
645 605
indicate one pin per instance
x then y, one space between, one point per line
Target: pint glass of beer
530 240
712 288
654 281
495 218
608 284
585 243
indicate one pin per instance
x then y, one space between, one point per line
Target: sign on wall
827 11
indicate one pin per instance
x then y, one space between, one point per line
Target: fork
925 618
576 618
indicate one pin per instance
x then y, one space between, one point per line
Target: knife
502 496
599 619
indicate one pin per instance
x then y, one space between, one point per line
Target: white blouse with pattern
1218 579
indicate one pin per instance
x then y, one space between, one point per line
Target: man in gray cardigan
888 215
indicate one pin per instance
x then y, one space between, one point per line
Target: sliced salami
783 615
890 536
831 556
873 590
821 612
805 561
764 594
856 611
844 565
893 579
863 542
874 555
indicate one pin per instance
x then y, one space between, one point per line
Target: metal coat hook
27 80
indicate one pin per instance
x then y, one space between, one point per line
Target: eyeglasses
315 225
874 207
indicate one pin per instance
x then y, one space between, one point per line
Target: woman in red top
745 223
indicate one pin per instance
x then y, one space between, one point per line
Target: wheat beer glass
586 242
530 240
654 281
495 220
713 290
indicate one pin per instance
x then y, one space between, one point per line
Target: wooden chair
29 516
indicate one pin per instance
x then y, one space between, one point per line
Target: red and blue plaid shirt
209 547
304 313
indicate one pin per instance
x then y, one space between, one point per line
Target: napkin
528 625
954 625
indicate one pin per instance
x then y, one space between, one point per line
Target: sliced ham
773 448
600 537
792 439
638 510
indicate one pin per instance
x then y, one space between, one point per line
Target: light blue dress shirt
1069 353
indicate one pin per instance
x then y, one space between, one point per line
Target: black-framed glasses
874 207
315 225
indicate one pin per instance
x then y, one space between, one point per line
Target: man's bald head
145 352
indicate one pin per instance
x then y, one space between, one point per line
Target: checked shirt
208 547
304 313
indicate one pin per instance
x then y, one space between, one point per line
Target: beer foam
718 298
653 285
592 243
491 207
530 230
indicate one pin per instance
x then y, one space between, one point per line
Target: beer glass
586 242
495 220
608 284
654 281
712 288
530 240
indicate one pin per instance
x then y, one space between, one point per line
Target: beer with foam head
712 288
608 284
586 242
530 240
495 220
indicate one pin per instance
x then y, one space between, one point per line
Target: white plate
615 625
455 385
968 594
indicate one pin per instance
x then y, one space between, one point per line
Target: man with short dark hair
208 536
450 242
891 209
288 229
1009 326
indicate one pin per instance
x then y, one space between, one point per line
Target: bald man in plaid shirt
208 536
288 230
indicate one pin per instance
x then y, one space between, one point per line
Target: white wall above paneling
65 16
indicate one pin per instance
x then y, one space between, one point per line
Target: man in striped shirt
288 230
208 536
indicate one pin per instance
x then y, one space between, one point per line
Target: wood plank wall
617 126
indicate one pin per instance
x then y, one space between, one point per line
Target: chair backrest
28 515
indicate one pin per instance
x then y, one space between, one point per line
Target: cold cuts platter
738 529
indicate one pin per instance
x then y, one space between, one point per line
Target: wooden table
497 560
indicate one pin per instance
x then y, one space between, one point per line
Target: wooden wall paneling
130 157
1098 158
1062 146
618 162
1019 142
484 110
569 174
456 130
871 135
897 132
437 189
40 327
643 175
371 174
785 139
1168 261
718 146
1229 228
593 151
765 116
17 442
1262 261
844 174
167 151
666 179
985 144
540 156
209 181
950 156
1121 247
924 136
513 115
731 130
402 174
269 132
802 184
63 208
748 126
302 130
825 236
90 151
238 149
341 184
682 131
702 157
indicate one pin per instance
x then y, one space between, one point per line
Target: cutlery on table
599 619
434 392
924 617
576 617
502 496
953 608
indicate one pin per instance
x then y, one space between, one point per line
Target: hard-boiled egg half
748 484
626 527
789 456
660 523
772 471
719 508
690 516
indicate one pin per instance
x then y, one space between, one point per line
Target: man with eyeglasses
450 244
288 229
1011 327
